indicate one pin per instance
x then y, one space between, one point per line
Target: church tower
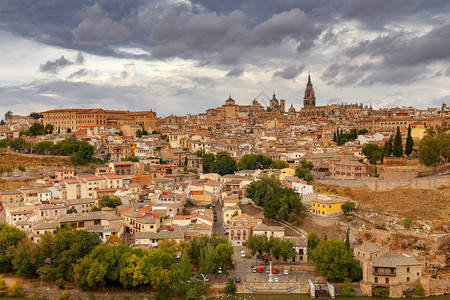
309 100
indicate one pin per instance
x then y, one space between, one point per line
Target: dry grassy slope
31 161
431 204
12 185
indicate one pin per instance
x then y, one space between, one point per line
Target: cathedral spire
309 77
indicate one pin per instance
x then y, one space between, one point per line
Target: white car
285 272
276 279
242 253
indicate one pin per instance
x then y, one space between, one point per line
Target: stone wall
376 184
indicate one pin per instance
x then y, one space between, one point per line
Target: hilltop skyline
187 56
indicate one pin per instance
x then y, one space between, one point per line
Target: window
407 279
386 280
376 279
407 269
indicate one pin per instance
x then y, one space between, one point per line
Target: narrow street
218 225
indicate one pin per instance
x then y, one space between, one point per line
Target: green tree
21 168
17 144
348 290
435 147
230 288
69 245
362 131
286 249
347 240
313 241
139 133
224 164
120 133
9 238
4 143
35 115
278 202
257 243
373 152
131 158
407 222
95 208
37 129
397 149
110 201
279 164
84 153
303 170
49 128
333 260
348 207
43 147
388 146
25 260
409 142
208 161
68 130
419 290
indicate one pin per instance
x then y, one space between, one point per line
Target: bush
3 287
419 291
21 168
65 295
407 223
348 290
380 291
60 283
230 288
15 290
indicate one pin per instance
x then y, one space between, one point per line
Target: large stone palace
75 118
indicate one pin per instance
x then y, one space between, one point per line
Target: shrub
21 168
419 291
380 292
230 288
3 287
60 283
15 290
407 223
65 295
348 290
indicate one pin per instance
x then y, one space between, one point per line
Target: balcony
384 271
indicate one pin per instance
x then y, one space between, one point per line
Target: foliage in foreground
278 202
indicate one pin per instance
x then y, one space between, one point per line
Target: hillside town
374 182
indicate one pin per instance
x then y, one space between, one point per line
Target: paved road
218 225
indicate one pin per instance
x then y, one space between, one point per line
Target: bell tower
309 100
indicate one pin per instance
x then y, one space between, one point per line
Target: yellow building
286 172
229 213
418 133
325 205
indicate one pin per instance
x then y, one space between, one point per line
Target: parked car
227 233
215 218
286 272
275 271
267 270
260 270
276 279
238 279
220 270
242 253
254 270
205 277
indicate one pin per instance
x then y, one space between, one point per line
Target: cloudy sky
180 56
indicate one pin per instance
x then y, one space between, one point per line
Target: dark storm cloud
78 74
236 72
290 72
3 3
55 66
98 28
376 14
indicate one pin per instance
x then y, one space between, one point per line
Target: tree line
80 152
432 148
71 256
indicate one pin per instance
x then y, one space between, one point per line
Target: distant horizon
182 56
